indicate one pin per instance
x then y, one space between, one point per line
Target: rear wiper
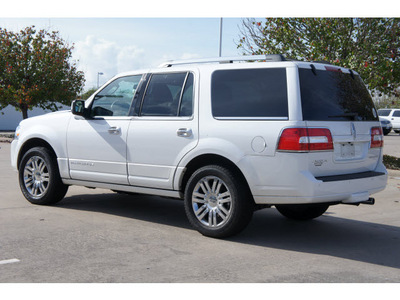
348 115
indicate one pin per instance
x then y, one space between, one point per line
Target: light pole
98 75
220 37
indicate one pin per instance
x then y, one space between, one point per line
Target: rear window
334 96
249 93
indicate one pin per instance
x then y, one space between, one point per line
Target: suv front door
97 144
164 129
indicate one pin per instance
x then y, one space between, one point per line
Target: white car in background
227 138
392 115
386 125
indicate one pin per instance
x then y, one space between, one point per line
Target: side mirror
78 108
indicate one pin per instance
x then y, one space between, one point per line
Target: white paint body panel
94 153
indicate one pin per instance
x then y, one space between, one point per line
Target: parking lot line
9 261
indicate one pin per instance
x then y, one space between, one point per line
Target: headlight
17 132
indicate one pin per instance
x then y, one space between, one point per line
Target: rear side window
249 93
334 96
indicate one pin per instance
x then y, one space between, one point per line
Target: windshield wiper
110 96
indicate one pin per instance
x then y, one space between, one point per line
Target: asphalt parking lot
101 236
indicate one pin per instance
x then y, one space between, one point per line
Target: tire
217 204
302 212
386 131
397 131
39 177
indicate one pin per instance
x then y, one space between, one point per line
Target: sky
114 45
117 36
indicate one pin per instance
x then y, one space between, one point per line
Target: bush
391 162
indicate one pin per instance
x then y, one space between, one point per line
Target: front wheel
39 177
302 211
217 203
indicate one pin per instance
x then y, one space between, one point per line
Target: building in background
10 118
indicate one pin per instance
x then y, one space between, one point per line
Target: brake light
376 137
305 140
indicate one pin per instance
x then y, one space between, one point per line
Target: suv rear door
163 130
337 99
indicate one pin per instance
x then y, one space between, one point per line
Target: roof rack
221 60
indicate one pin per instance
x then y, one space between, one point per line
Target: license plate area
347 150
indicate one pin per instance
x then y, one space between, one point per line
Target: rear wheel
386 131
302 211
217 204
39 177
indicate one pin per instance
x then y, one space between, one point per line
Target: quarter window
249 93
169 95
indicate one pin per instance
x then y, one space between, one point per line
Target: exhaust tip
370 201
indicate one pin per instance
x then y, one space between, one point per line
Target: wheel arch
212 159
31 143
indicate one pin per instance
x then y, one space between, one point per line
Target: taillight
305 140
376 137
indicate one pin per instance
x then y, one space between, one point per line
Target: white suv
392 115
226 137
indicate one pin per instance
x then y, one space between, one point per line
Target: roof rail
221 60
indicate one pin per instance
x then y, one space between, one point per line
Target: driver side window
116 98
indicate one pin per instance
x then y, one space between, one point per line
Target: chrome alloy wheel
36 176
211 201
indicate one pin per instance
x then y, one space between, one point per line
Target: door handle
114 130
184 132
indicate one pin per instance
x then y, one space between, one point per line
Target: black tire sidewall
55 190
241 210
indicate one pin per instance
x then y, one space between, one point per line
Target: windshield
334 96
384 112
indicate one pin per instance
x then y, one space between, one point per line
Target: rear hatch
337 99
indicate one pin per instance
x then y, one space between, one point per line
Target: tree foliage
88 93
36 70
371 46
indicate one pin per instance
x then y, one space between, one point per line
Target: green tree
36 70
88 93
371 46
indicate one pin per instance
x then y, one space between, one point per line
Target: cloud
99 55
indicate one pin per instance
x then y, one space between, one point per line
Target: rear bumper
349 188
307 189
